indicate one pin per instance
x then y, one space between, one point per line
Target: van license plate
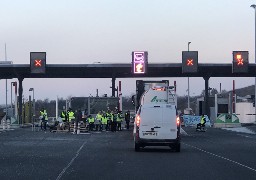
150 134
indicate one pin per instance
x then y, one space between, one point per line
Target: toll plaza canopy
8 71
21 71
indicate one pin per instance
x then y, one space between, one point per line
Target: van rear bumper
157 142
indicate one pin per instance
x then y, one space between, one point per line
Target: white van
157 124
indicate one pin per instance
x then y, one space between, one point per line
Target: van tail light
137 120
178 120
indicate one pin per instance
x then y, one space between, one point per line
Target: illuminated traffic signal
139 62
240 61
37 62
189 61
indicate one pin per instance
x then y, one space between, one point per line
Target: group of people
109 120
67 117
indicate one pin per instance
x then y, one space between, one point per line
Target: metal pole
255 62
188 85
254 6
11 94
6 107
206 87
30 111
57 107
20 100
113 86
34 109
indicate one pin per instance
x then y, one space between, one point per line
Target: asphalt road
215 154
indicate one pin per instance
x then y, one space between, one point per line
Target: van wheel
137 147
177 147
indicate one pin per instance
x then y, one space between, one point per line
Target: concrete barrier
190 120
227 120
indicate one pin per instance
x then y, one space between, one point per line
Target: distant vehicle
157 122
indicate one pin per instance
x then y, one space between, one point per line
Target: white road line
72 160
243 135
235 162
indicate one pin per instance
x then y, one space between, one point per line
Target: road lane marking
221 157
72 160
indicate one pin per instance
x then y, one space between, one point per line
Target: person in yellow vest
41 117
63 116
202 123
91 122
119 120
104 121
44 118
71 116
108 115
98 121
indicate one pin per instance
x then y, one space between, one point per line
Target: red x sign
38 62
190 62
240 60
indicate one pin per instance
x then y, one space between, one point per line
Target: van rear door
158 122
151 121
169 122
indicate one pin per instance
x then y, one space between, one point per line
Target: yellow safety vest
104 120
71 115
98 116
91 120
119 117
44 114
202 120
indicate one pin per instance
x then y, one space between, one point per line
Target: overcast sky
107 31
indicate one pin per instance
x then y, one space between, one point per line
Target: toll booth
222 106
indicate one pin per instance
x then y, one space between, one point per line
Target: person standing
41 117
63 116
104 121
98 120
44 117
91 122
127 119
109 121
113 121
119 120
71 116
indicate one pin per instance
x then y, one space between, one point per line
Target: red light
190 62
38 62
137 120
239 60
178 120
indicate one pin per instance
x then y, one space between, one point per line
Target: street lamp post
33 118
188 83
12 84
254 7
